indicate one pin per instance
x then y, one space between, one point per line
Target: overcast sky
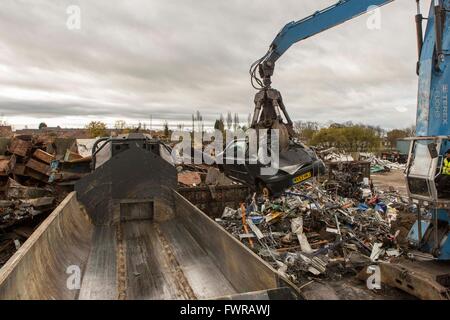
138 59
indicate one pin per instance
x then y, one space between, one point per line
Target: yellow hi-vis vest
446 168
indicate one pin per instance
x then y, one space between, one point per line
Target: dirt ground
394 179
351 288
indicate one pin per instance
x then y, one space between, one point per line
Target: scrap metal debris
34 175
312 232
377 164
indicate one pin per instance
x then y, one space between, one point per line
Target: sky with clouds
142 59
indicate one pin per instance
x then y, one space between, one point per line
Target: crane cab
424 176
425 168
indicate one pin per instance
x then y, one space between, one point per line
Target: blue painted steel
434 81
413 234
432 102
320 21
445 250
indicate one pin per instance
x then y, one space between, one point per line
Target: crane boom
269 106
322 20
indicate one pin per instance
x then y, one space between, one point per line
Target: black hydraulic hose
438 27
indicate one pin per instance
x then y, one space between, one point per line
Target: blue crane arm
320 21
296 31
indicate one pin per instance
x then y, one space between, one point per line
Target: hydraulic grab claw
269 109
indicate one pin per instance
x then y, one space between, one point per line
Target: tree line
348 136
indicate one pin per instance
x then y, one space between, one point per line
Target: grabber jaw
268 114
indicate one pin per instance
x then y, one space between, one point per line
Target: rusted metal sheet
40 202
20 147
39 167
213 199
19 169
5 167
418 278
72 156
14 190
43 156
68 176
189 178
35 175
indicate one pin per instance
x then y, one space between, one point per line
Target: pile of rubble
379 165
28 157
35 175
310 232
22 208
201 175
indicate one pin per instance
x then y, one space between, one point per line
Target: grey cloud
168 58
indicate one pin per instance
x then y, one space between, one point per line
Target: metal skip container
126 233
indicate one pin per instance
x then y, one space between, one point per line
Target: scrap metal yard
318 237
176 151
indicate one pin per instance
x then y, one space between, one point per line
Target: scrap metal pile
33 174
379 165
349 179
310 232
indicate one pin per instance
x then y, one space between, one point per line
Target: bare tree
120 125
411 130
229 120
3 122
236 122
199 119
306 129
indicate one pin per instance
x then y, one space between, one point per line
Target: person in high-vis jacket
446 167
444 179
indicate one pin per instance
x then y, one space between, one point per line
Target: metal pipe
438 26
419 29
436 234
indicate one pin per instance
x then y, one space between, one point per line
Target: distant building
56 131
